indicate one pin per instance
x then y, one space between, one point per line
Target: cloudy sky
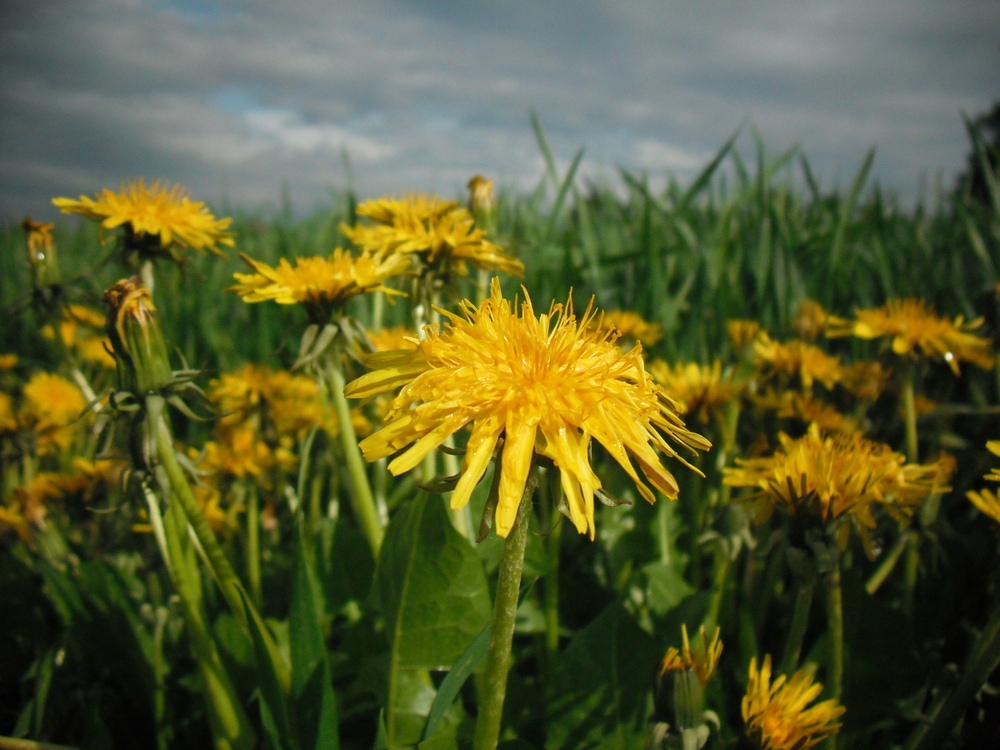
235 99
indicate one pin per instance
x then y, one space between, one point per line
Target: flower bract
545 385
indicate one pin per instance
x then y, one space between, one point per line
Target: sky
241 100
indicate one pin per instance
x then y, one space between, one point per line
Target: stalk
797 630
362 499
493 685
835 630
913 545
216 559
253 545
230 725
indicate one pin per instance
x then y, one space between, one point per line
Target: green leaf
312 689
599 691
432 592
456 677
274 714
665 587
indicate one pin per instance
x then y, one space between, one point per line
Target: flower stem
913 545
497 663
362 499
253 544
835 631
214 556
797 629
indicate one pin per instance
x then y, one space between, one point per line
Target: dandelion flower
826 478
161 211
631 325
742 333
399 337
811 320
441 233
702 662
776 715
697 389
320 285
544 385
52 403
986 500
797 358
915 329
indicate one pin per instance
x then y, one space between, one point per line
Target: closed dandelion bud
136 337
684 673
483 201
41 253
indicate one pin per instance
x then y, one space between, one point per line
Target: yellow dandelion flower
993 446
986 501
697 389
320 285
805 408
865 379
701 662
811 320
12 520
544 384
8 421
776 715
631 325
400 337
51 401
441 233
160 210
742 333
915 329
824 478
797 358
239 452
8 362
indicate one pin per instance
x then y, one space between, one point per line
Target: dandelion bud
483 201
41 252
136 337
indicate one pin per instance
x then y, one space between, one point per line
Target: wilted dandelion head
161 210
776 714
544 385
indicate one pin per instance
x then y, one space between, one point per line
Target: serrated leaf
431 589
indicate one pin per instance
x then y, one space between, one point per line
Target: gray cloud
235 99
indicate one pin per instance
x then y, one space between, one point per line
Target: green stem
888 563
981 663
723 564
216 559
910 416
497 661
230 725
552 589
253 545
835 632
912 449
362 499
797 629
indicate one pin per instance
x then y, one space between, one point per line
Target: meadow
205 558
